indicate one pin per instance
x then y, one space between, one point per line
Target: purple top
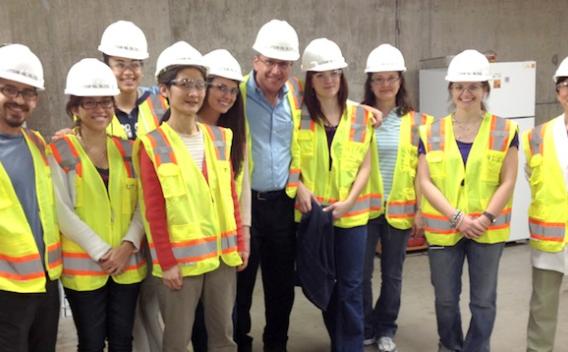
465 148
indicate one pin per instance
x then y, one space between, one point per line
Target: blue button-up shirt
271 135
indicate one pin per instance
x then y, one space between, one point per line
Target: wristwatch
490 216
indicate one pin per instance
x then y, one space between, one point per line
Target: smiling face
128 73
222 94
186 92
271 74
326 84
385 86
14 110
95 113
468 96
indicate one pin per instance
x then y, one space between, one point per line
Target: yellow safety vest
21 269
200 212
149 114
467 188
311 155
401 204
548 212
107 213
294 96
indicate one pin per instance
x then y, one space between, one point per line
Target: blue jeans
106 313
446 267
381 321
344 316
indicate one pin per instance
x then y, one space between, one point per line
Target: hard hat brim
127 54
326 67
22 79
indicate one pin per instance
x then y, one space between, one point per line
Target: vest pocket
535 165
435 160
130 196
171 180
491 169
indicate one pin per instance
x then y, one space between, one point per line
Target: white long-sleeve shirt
77 230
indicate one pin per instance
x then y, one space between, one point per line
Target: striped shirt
387 136
194 145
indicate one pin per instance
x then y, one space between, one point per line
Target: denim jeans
381 320
273 248
446 267
344 316
106 313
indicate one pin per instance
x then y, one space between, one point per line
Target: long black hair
403 103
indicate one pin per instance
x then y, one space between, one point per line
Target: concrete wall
61 32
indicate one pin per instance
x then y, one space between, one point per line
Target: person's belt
269 195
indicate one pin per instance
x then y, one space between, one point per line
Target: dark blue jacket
315 259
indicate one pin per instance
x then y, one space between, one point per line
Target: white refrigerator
512 96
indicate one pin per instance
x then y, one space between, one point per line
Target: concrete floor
417 324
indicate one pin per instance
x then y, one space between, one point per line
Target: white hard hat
322 55
468 66
277 40
91 78
19 64
385 58
562 70
124 39
221 63
180 53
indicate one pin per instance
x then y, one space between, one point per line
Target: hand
339 208
481 223
304 199
245 258
116 260
468 229
172 278
377 118
60 134
417 230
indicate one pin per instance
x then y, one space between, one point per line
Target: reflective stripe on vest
547 231
125 149
21 268
81 264
536 139
218 141
162 149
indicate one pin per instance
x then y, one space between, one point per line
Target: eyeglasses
189 84
92 104
562 85
29 94
225 90
270 63
473 89
134 65
333 74
385 81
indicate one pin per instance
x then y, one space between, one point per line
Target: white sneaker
386 344
369 342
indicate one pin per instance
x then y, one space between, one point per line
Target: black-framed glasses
122 65
29 94
271 63
225 89
189 84
92 104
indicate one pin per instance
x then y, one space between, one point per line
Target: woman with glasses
190 207
98 217
467 169
332 156
394 160
545 147
223 106
138 110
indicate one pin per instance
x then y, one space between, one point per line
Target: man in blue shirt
269 116
29 293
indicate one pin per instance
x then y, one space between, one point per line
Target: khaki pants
217 290
148 327
543 310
